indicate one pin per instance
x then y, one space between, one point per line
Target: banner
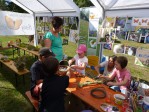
13 23
140 21
94 16
142 57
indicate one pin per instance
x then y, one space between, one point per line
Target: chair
92 62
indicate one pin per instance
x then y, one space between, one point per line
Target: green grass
12 98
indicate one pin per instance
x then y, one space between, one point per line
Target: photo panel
133 36
130 50
119 48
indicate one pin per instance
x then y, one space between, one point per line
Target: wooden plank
33 101
10 64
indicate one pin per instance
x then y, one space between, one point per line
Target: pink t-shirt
120 75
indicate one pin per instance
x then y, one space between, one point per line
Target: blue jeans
117 88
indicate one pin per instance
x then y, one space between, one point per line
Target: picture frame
133 36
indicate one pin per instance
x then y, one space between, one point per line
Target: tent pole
35 35
79 25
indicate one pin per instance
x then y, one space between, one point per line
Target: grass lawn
12 98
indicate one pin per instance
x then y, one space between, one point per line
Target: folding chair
92 62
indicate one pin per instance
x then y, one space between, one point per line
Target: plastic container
63 70
119 99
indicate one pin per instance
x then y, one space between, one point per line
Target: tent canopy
123 8
49 7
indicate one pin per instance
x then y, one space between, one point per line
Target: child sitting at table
120 74
80 60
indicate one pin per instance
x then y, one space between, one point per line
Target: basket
62 70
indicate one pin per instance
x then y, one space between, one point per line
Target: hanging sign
140 21
13 23
74 36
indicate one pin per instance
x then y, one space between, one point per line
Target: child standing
53 88
80 59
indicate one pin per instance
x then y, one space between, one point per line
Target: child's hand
74 66
101 76
110 83
69 62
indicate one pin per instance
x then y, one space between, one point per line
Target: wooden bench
11 66
32 100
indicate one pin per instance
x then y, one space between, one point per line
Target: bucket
145 105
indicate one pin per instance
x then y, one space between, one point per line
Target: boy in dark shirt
53 88
37 72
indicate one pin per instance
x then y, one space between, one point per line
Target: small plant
31 47
20 63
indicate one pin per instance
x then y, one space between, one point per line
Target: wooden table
4 48
35 53
84 92
10 65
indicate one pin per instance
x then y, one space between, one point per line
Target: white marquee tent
123 8
44 8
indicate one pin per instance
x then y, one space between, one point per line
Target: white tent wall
44 8
128 13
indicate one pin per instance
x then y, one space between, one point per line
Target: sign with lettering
13 23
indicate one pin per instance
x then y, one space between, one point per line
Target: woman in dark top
53 88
